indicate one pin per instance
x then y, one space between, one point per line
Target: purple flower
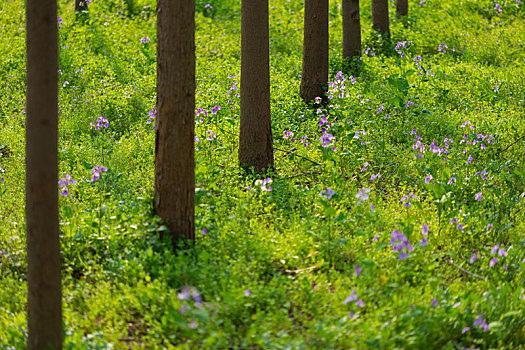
428 179
60 22
434 302
327 193
211 135
465 330
151 116
64 183
352 297
263 183
208 6
424 230
493 262
247 293
362 195
481 323
478 196
374 177
494 249
473 258
326 139
215 109
360 303
96 172
101 122
442 48
502 252
424 241
357 270
145 40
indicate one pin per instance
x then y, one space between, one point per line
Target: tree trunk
315 49
44 297
174 198
380 17
81 5
402 8
351 30
255 137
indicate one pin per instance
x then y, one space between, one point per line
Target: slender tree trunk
351 30
255 137
315 49
380 17
44 296
402 8
81 5
174 198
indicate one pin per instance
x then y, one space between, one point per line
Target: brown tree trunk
81 5
380 17
351 30
402 8
44 297
255 137
174 198
315 49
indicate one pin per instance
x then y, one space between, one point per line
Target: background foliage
295 267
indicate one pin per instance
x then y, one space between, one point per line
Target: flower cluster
263 184
400 244
97 169
151 116
145 40
327 193
64 183
101 122
406 199
402 45
362 195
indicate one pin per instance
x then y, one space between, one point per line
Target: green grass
275 270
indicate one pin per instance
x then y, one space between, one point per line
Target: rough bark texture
380 17
315 49
351 29
81 5
174 198
43 246
402 8
255 138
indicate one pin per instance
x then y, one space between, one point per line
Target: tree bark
255 136
402 8
315 49
174 197
351 30
44 298
380 20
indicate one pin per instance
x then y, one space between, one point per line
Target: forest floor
395 218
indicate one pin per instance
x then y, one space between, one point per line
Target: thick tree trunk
402 8
351 30
174 198
255 138
44 296
315 49
380 17
81 5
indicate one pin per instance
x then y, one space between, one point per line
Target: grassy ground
395 218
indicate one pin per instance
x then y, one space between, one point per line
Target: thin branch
449 260
297 155
509 146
